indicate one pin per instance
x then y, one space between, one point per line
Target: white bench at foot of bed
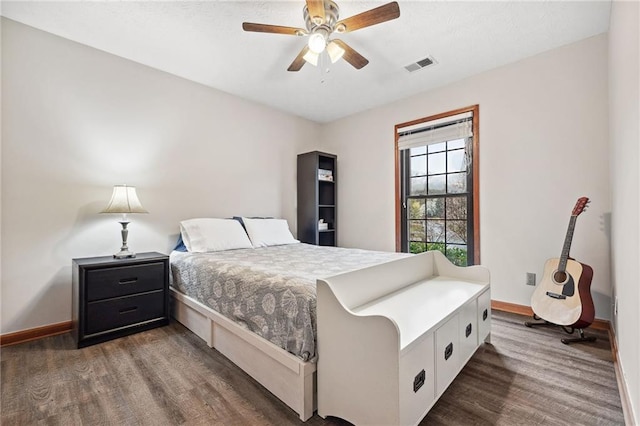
392 337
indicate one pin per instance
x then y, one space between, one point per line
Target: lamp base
124 254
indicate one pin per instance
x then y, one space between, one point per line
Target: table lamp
124 200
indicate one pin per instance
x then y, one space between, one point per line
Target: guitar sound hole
560 276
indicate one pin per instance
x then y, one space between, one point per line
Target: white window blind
459 126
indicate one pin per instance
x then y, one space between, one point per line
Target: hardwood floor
169 376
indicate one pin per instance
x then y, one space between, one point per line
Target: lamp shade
124 200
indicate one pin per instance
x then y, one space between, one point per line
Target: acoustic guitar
563 297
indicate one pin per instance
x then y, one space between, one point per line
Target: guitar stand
568 330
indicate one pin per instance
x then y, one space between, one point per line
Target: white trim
625 400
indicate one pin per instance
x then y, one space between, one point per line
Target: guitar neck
562 266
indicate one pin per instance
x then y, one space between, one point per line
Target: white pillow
208 234
268 232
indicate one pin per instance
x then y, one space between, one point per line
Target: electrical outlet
531 278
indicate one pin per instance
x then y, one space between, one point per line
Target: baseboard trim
622 383
35 333
514 308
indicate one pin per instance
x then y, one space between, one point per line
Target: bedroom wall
624 133
543 144
76 121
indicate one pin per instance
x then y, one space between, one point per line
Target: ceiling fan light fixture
322 20
311 57
317 42
335 52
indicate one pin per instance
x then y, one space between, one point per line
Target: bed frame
289 378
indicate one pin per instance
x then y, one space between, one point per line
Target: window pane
455 161
457 208
437 163
415 247
457 254
419 165
435 231
436 246
418 186
437 184
417 230
437 147
458 143
456 184
418 150
456 231
416 209
435 208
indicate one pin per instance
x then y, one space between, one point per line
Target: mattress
270 290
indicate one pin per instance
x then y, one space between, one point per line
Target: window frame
475 170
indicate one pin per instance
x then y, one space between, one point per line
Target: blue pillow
180 244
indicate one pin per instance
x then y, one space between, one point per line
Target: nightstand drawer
114 282
109 314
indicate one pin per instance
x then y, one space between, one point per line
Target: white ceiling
204 42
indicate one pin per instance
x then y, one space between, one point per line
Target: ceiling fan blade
274 29
375 16
354 58
299 61
316 9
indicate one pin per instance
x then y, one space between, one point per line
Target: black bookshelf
317 198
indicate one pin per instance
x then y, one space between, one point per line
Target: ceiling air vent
422 63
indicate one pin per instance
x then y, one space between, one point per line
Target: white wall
543 144
76 121
624 133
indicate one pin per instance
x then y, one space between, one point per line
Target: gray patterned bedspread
271 290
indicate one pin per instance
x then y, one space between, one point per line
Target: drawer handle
128 280
467 332
485 314
128 310
448 351
419 380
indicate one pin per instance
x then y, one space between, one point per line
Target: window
437 200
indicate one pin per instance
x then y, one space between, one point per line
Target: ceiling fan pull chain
323 66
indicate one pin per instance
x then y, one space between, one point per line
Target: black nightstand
116 297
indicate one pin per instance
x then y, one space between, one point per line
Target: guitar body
564 298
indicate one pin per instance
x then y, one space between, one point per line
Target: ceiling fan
321 21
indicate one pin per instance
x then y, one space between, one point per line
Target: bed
255 301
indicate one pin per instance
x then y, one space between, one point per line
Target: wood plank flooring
168 376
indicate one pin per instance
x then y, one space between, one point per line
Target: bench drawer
448 356
417 380
484 315
468 330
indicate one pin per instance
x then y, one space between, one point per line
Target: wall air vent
422 63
